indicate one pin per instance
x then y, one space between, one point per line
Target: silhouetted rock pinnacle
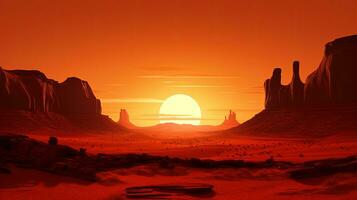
296 86
272 89
230 121
124 119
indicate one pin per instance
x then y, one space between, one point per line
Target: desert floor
228 183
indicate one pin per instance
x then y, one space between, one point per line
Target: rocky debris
58 159
63 160
327 167
169 191
31 90
333 83
124 119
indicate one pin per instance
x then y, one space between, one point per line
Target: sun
180 109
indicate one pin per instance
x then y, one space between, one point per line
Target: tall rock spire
296 86
272 90
124 119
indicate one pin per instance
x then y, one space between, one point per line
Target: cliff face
30 90
76 96
282 96
333 83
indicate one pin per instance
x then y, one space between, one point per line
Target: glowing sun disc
180 109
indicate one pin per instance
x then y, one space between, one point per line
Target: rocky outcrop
325 105
272 89
333 83
30 90
76 96
230 121
27 90
124 119
279 96
296 86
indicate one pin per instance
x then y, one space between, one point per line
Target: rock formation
124 119
325 105
76 96
296 86
31 101
31 90
272 89
279 96
230 121
333 83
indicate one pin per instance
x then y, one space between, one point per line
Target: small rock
53 140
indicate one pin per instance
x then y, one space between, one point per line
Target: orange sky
137 53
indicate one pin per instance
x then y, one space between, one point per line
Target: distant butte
230 121
124 119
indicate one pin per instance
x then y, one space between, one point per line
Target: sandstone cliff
325 104
332 83
31 90
29 101
279 96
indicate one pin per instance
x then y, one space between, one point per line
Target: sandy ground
228 183
217 148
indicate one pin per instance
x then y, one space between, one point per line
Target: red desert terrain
56 144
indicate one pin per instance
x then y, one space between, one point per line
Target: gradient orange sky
136 53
